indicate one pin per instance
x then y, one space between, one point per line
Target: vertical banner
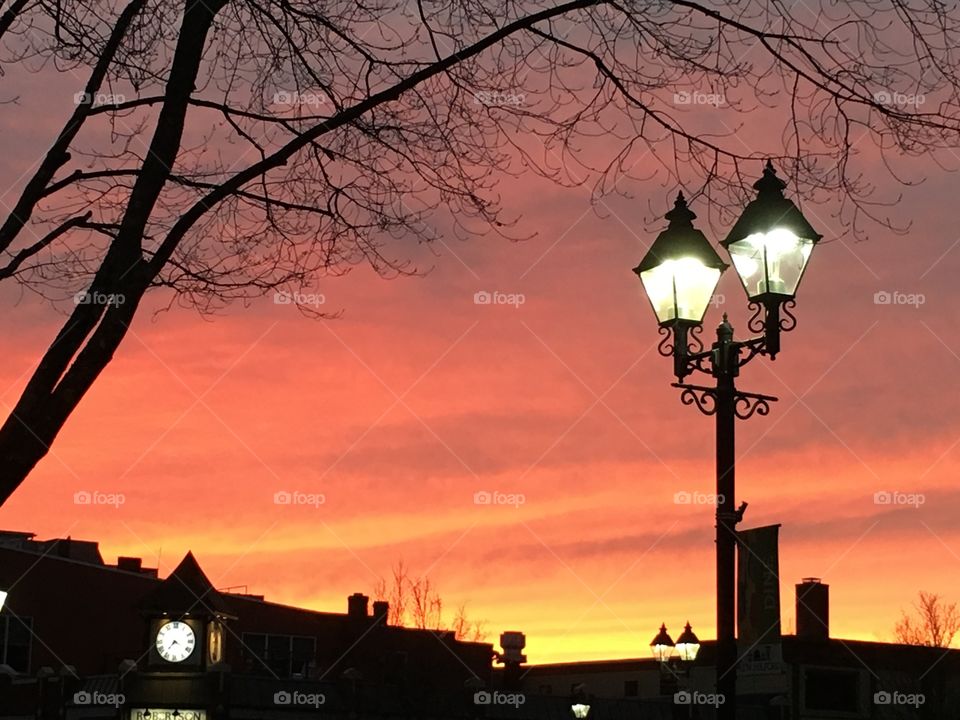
758 587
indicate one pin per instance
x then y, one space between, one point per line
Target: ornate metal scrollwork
753 347
695 344
789 322
703 363
757 321
687 340
745 406
704 398
665 347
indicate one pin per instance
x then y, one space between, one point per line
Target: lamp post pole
725 364
727 404
769 245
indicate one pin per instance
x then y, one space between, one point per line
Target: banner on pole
758 587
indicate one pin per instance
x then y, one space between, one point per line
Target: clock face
175 641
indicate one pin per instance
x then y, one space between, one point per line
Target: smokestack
512 657
357 605
381 610
813 610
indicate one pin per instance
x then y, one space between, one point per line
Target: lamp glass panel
680 289
688 651
771 262
662 652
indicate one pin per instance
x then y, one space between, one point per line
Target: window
630 688
286 656
15 636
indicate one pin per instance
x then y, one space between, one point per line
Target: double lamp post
769 246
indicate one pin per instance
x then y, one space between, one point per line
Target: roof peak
187 591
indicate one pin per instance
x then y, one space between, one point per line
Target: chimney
512 657
813 610
357 605
381 611
130 564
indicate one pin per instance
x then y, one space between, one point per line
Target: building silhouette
82 639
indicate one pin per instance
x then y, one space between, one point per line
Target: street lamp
580 702
770 246
662 645
679 274
688 645
686 648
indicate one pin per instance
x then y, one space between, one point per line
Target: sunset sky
415 398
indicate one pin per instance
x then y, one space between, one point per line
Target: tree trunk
87 341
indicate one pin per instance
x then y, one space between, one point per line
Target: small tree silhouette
416 602
934 622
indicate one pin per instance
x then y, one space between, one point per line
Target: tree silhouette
416 602
933 622
220 150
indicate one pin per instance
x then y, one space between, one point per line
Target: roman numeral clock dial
175 641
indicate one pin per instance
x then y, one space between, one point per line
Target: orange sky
417 398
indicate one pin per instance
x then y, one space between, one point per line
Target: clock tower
186 619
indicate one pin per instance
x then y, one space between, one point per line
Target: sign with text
763 659
167 714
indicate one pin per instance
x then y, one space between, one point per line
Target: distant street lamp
770 246
685 649
579 705
662 645
688 645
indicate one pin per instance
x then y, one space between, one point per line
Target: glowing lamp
688 645
771 243
662 645
680 270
